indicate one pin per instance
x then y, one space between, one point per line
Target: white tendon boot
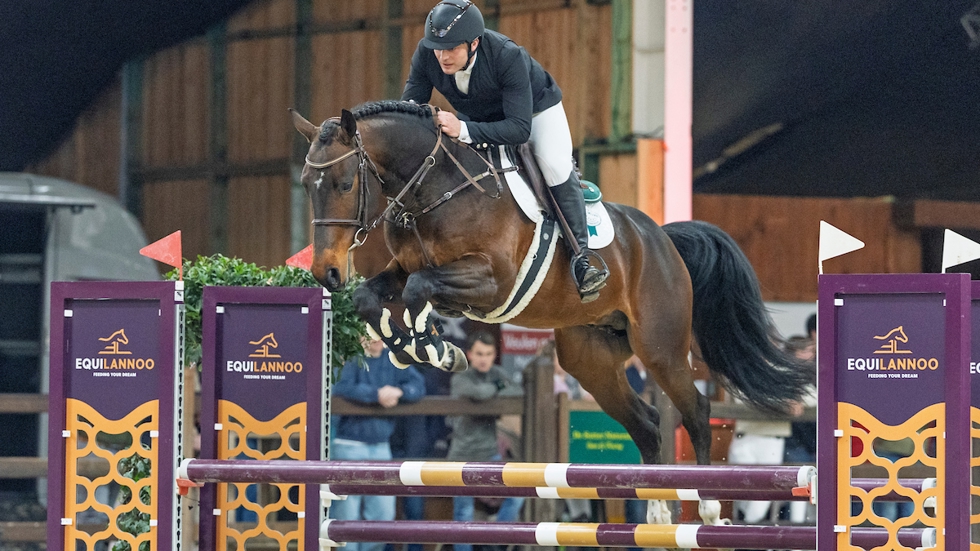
658 512
710 511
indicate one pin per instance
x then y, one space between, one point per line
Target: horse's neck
402 148
399 149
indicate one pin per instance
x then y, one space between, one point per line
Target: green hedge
348 328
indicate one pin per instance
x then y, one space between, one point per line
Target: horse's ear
303 126
348 123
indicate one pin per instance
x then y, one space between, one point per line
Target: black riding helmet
451 23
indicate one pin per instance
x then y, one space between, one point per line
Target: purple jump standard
553 475
553 534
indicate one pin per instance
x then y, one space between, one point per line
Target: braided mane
391 106
372 108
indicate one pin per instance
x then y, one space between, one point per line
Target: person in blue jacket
370 380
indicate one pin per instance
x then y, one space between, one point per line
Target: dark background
822 98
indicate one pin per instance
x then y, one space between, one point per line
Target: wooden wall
618 178
212 149
90 155
780 236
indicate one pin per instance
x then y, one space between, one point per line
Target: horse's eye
346 186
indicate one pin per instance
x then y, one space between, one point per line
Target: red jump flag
302 259
166 250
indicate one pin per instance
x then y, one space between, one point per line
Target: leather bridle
403 217
363 163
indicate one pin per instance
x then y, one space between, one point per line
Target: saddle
529 165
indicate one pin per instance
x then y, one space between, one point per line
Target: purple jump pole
566 493
917 485
604 535
866 484
556 475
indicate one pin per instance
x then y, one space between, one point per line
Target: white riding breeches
552 141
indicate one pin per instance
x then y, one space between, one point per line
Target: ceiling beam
928 213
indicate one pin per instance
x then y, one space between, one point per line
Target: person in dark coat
502 97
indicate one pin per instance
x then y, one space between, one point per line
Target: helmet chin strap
470 52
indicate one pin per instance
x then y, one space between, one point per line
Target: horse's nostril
333 279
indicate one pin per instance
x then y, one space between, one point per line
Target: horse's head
335 185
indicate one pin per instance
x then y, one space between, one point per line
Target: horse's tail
737 338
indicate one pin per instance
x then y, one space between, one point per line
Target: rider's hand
449 123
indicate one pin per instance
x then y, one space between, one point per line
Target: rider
503 97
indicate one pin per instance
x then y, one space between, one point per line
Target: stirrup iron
589 295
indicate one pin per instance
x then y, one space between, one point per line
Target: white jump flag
958 249
834 242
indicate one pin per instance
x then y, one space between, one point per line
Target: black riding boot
588 279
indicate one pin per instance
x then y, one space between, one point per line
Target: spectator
357 437
801 445
474 438
811 327
565 383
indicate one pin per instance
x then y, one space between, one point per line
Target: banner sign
894 366
595 437
116 390
263 396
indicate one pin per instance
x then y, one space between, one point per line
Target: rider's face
454 60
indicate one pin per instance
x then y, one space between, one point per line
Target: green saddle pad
591 192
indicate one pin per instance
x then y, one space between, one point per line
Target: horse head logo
893 337
114 340
264 344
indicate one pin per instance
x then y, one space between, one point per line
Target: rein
403 218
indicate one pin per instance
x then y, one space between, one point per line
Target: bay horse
457 243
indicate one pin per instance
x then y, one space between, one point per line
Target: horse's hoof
394 360
455 361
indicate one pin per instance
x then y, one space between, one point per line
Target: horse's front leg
369 299
457 285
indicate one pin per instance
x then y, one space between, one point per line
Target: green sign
594 437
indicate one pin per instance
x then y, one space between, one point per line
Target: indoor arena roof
828 98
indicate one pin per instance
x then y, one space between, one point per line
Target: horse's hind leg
663 348
595 357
